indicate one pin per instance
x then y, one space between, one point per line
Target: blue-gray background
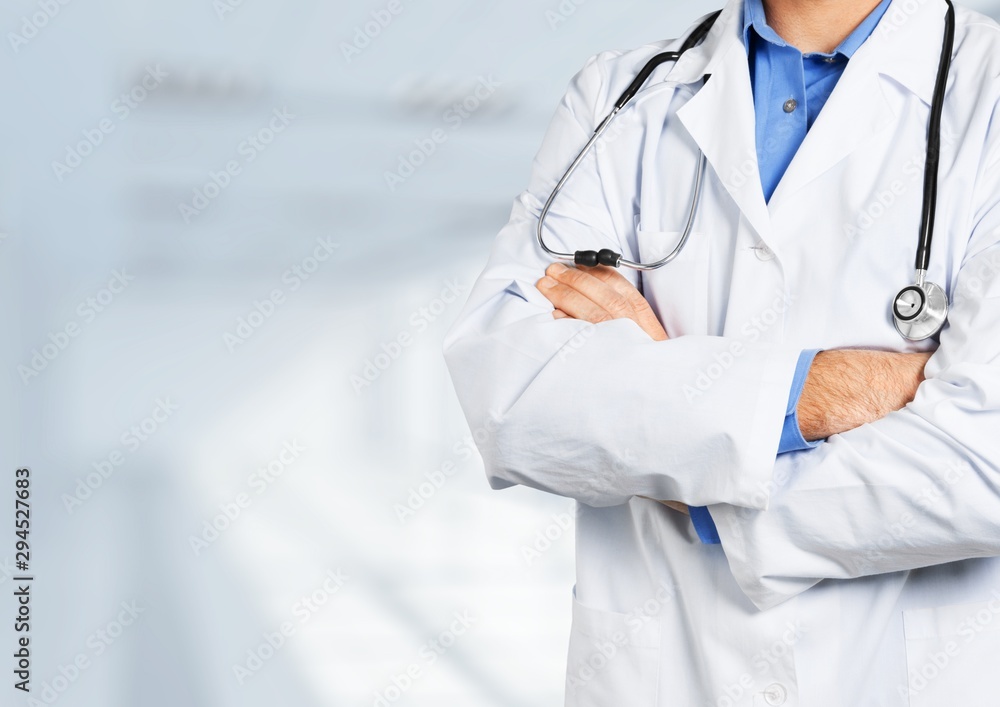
361 586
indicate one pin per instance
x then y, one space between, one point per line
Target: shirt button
790 105
775 694
830 59
763 252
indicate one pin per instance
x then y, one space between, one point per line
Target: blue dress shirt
789 90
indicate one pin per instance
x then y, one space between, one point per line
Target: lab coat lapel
858 109
855 112
720 118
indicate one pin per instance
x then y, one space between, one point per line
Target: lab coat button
790 105
763 252
775 694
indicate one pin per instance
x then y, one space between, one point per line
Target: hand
677 506
851 387
597 295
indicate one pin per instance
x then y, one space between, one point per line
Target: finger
621 301
559 314
614 278
572 302
677 506
594 289
620 284
645 316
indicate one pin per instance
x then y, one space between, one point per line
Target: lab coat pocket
952 654
679 291
614 659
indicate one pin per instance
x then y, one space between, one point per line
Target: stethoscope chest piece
920 311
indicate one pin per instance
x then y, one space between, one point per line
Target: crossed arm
918 486
845 389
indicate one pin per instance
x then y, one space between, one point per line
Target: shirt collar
753 16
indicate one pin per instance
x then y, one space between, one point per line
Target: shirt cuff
704 525
791 436
791 441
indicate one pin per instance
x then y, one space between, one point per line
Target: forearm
601 413
851 387
848 388
919 487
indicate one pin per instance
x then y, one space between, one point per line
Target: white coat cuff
766 420
764 592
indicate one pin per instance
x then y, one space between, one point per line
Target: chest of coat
835 250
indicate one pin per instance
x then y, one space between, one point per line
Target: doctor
843 483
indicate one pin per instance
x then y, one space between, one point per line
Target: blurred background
232 236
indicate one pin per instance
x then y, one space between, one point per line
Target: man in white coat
759 523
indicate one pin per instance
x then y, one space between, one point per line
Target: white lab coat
863 572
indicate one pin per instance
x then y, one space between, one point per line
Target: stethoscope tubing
932 164
685 234
925 323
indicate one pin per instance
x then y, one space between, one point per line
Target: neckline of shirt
755 18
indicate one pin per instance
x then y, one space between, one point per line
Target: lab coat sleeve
601 413
919 487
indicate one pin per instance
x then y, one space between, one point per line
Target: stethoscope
919 311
